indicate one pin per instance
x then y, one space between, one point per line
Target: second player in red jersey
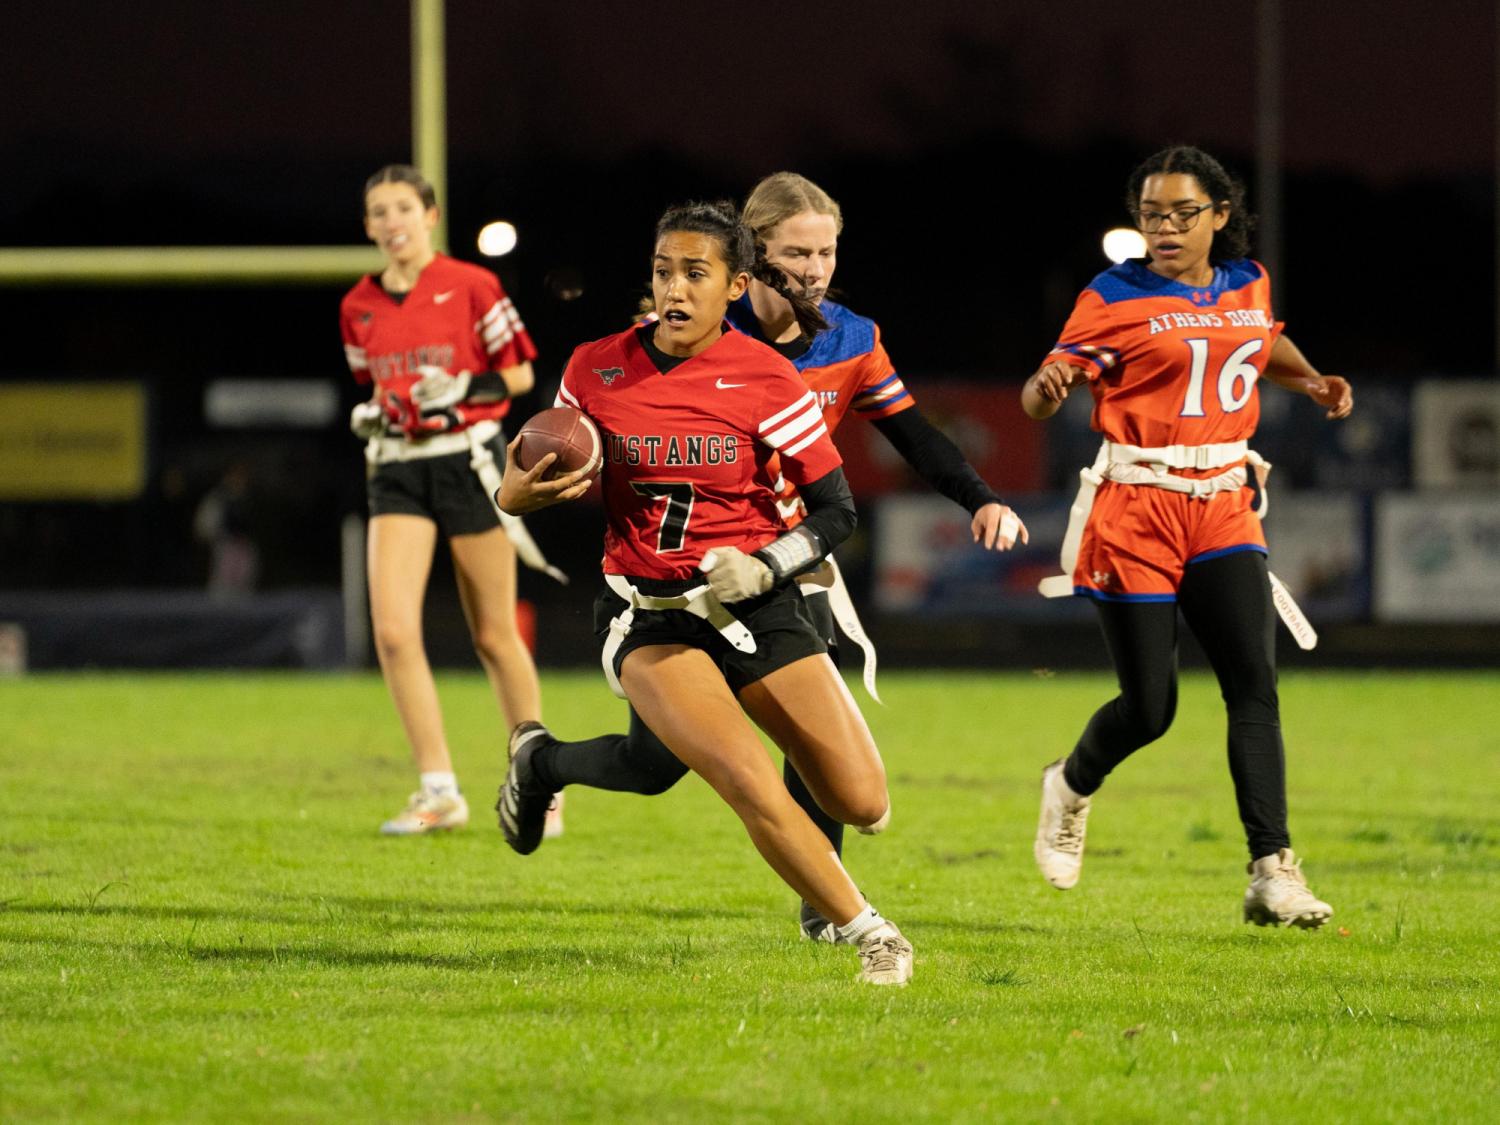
456 318
442 350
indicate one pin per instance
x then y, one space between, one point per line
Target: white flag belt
699 601
384 450
1130 464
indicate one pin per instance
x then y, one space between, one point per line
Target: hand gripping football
566 432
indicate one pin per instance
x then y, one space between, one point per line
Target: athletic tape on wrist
793 551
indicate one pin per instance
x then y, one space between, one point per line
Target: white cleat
554 827
428 812
1059 832
1278 894
885 957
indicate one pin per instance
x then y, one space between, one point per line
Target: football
567 432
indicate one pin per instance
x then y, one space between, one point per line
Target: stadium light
497 239
1122 243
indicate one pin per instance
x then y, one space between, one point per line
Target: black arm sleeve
936 459
830 520
488 386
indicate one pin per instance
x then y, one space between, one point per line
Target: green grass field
198 920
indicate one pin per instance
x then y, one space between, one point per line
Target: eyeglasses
1183 218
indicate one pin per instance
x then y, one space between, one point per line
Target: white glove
734 576
367 420
437 391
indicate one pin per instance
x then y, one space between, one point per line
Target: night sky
978 148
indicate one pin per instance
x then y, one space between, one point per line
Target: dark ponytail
810 318
720 221
1224 189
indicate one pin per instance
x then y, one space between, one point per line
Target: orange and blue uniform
1173 369
846 367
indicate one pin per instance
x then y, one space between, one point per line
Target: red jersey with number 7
1169 363
685 452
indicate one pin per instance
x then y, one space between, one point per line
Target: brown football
566 432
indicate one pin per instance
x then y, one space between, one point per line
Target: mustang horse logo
609 374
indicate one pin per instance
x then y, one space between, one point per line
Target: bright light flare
497 239
1122 243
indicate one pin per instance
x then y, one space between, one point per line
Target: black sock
635 763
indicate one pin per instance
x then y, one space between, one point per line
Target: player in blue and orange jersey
690 414
797 227
442 349
1172 350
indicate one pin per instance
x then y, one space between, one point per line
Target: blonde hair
782 195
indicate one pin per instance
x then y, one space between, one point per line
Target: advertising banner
926 561
1318 548
1456 426
1437 558
76 441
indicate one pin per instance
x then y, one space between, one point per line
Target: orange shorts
1139 539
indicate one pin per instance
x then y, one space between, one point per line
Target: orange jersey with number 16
1173 364
1168 364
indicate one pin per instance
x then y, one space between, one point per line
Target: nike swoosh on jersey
441 297
723 386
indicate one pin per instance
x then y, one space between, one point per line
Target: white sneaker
885 957
1278 894
1059 832
554 827
428 812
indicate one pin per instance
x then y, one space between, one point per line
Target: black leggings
639 762
1227 603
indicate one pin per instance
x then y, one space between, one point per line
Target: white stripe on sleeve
356 357
777 419
798 427
793 450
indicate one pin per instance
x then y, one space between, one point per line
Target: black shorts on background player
444 489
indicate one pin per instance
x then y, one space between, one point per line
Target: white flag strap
1061 585
847 618
1291 615
482 461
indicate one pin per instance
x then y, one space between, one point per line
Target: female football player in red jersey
797 226
443 349
1171 349
701 620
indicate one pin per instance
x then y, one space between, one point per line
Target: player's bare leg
809 713
400 562
682 696
485 567
807 710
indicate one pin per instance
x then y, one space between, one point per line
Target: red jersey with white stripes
1173 364
456 317
685 453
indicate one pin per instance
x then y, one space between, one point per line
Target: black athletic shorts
779 622
443 489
